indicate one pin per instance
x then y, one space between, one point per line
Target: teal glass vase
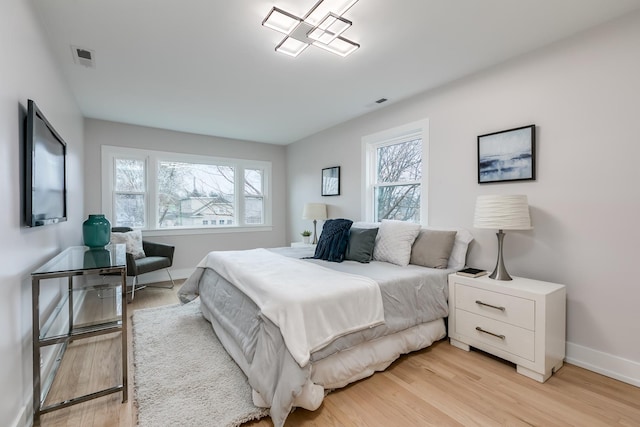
96 231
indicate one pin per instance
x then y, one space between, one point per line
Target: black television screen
45 170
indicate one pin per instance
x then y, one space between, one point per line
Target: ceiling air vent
84 57
376 102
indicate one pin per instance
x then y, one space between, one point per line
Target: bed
332 323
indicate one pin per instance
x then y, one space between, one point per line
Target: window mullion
130 193
151 197
370 181
112 186
240 199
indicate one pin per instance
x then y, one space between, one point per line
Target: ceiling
209 66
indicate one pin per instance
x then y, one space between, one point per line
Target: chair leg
133 287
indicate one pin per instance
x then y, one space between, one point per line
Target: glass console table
72 262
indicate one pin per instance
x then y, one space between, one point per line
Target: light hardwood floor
440 386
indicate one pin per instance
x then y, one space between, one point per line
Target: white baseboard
606 364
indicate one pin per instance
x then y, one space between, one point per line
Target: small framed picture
508 155
331 181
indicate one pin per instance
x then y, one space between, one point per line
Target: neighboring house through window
395 168
157 190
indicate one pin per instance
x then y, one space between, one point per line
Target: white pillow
458 257
133 240
394 241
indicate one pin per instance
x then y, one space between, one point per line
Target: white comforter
312 305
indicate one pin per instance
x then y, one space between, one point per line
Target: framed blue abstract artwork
508 155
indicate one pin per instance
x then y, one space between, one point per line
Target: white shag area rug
182 374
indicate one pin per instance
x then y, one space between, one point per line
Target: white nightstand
302 245
521 320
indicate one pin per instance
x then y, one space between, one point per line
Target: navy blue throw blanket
333 240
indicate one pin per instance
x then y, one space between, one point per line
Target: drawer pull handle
490 306
479 329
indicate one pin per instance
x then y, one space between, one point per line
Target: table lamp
502 212
314 211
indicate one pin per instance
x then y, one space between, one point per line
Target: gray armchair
158 256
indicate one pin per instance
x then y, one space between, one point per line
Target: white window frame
152 159
370 143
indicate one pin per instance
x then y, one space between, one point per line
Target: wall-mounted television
45 171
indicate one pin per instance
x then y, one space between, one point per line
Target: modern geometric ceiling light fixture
322 27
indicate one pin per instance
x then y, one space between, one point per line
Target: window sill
210 230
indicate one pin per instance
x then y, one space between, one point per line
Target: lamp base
315 236
500 272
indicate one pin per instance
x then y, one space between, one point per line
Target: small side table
77 261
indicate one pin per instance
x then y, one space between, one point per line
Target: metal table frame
115 266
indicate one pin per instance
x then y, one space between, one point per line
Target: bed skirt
347 366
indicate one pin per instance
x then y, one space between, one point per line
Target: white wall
190 249
583 96
28 71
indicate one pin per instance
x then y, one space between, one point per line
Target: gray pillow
432 248
361 242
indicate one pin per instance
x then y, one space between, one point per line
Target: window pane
253 200
190 193
253 182
129 210
399 162
401 202
130 175
253 210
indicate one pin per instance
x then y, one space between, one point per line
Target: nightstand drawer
481 331
505 308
